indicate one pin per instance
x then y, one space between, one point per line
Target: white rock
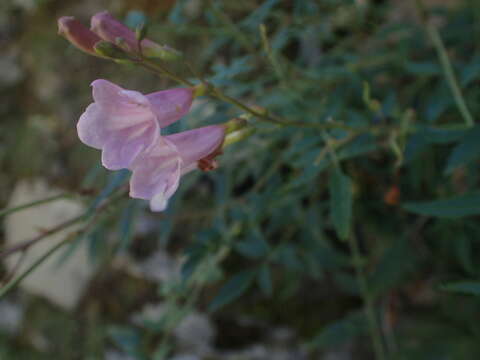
160 267
185 357
195 333
117 355
11 315
11 72
64 283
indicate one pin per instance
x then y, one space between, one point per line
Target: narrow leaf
465 152
464 287
341 202
235 287
455 207
264 280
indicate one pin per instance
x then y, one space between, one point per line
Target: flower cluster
104 28
126 125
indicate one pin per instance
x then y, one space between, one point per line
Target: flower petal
90 127
170 105
196 144
156 174
116 100
123 147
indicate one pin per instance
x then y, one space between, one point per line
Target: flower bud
106 49
238 135
78 34
110 29
235 125
200 89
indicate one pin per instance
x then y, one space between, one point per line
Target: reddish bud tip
78 34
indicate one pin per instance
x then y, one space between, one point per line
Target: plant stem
73 235
66 224
446 65
14 282
8 211
28 243
260 114
374 327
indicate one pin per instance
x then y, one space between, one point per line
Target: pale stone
63 283
11 316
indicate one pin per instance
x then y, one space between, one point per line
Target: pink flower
124 123
112 30
157 171
78 34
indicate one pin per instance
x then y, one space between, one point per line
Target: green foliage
235 287
464 287
263 236
341 202
455 207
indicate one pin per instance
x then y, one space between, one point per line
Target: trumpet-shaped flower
157 171
124 123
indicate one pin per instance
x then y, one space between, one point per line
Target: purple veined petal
156 174
90 127
170 105
196 144
122 147
78 34
117 100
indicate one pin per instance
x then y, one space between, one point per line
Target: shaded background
245 264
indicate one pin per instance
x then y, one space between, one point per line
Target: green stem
8 211
217 93
446 65
24 246
232 27
28 243
374 327
14 282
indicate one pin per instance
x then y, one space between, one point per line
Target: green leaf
465 152
264 280
254 247
116 180
235 287
340 331
395 264
341 202
464 287
423 68
455 207
127 223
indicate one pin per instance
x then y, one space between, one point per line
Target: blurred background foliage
258 246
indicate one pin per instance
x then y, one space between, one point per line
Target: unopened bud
107 49
200 89
78 34
165 52
237 136
110 29
235 125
